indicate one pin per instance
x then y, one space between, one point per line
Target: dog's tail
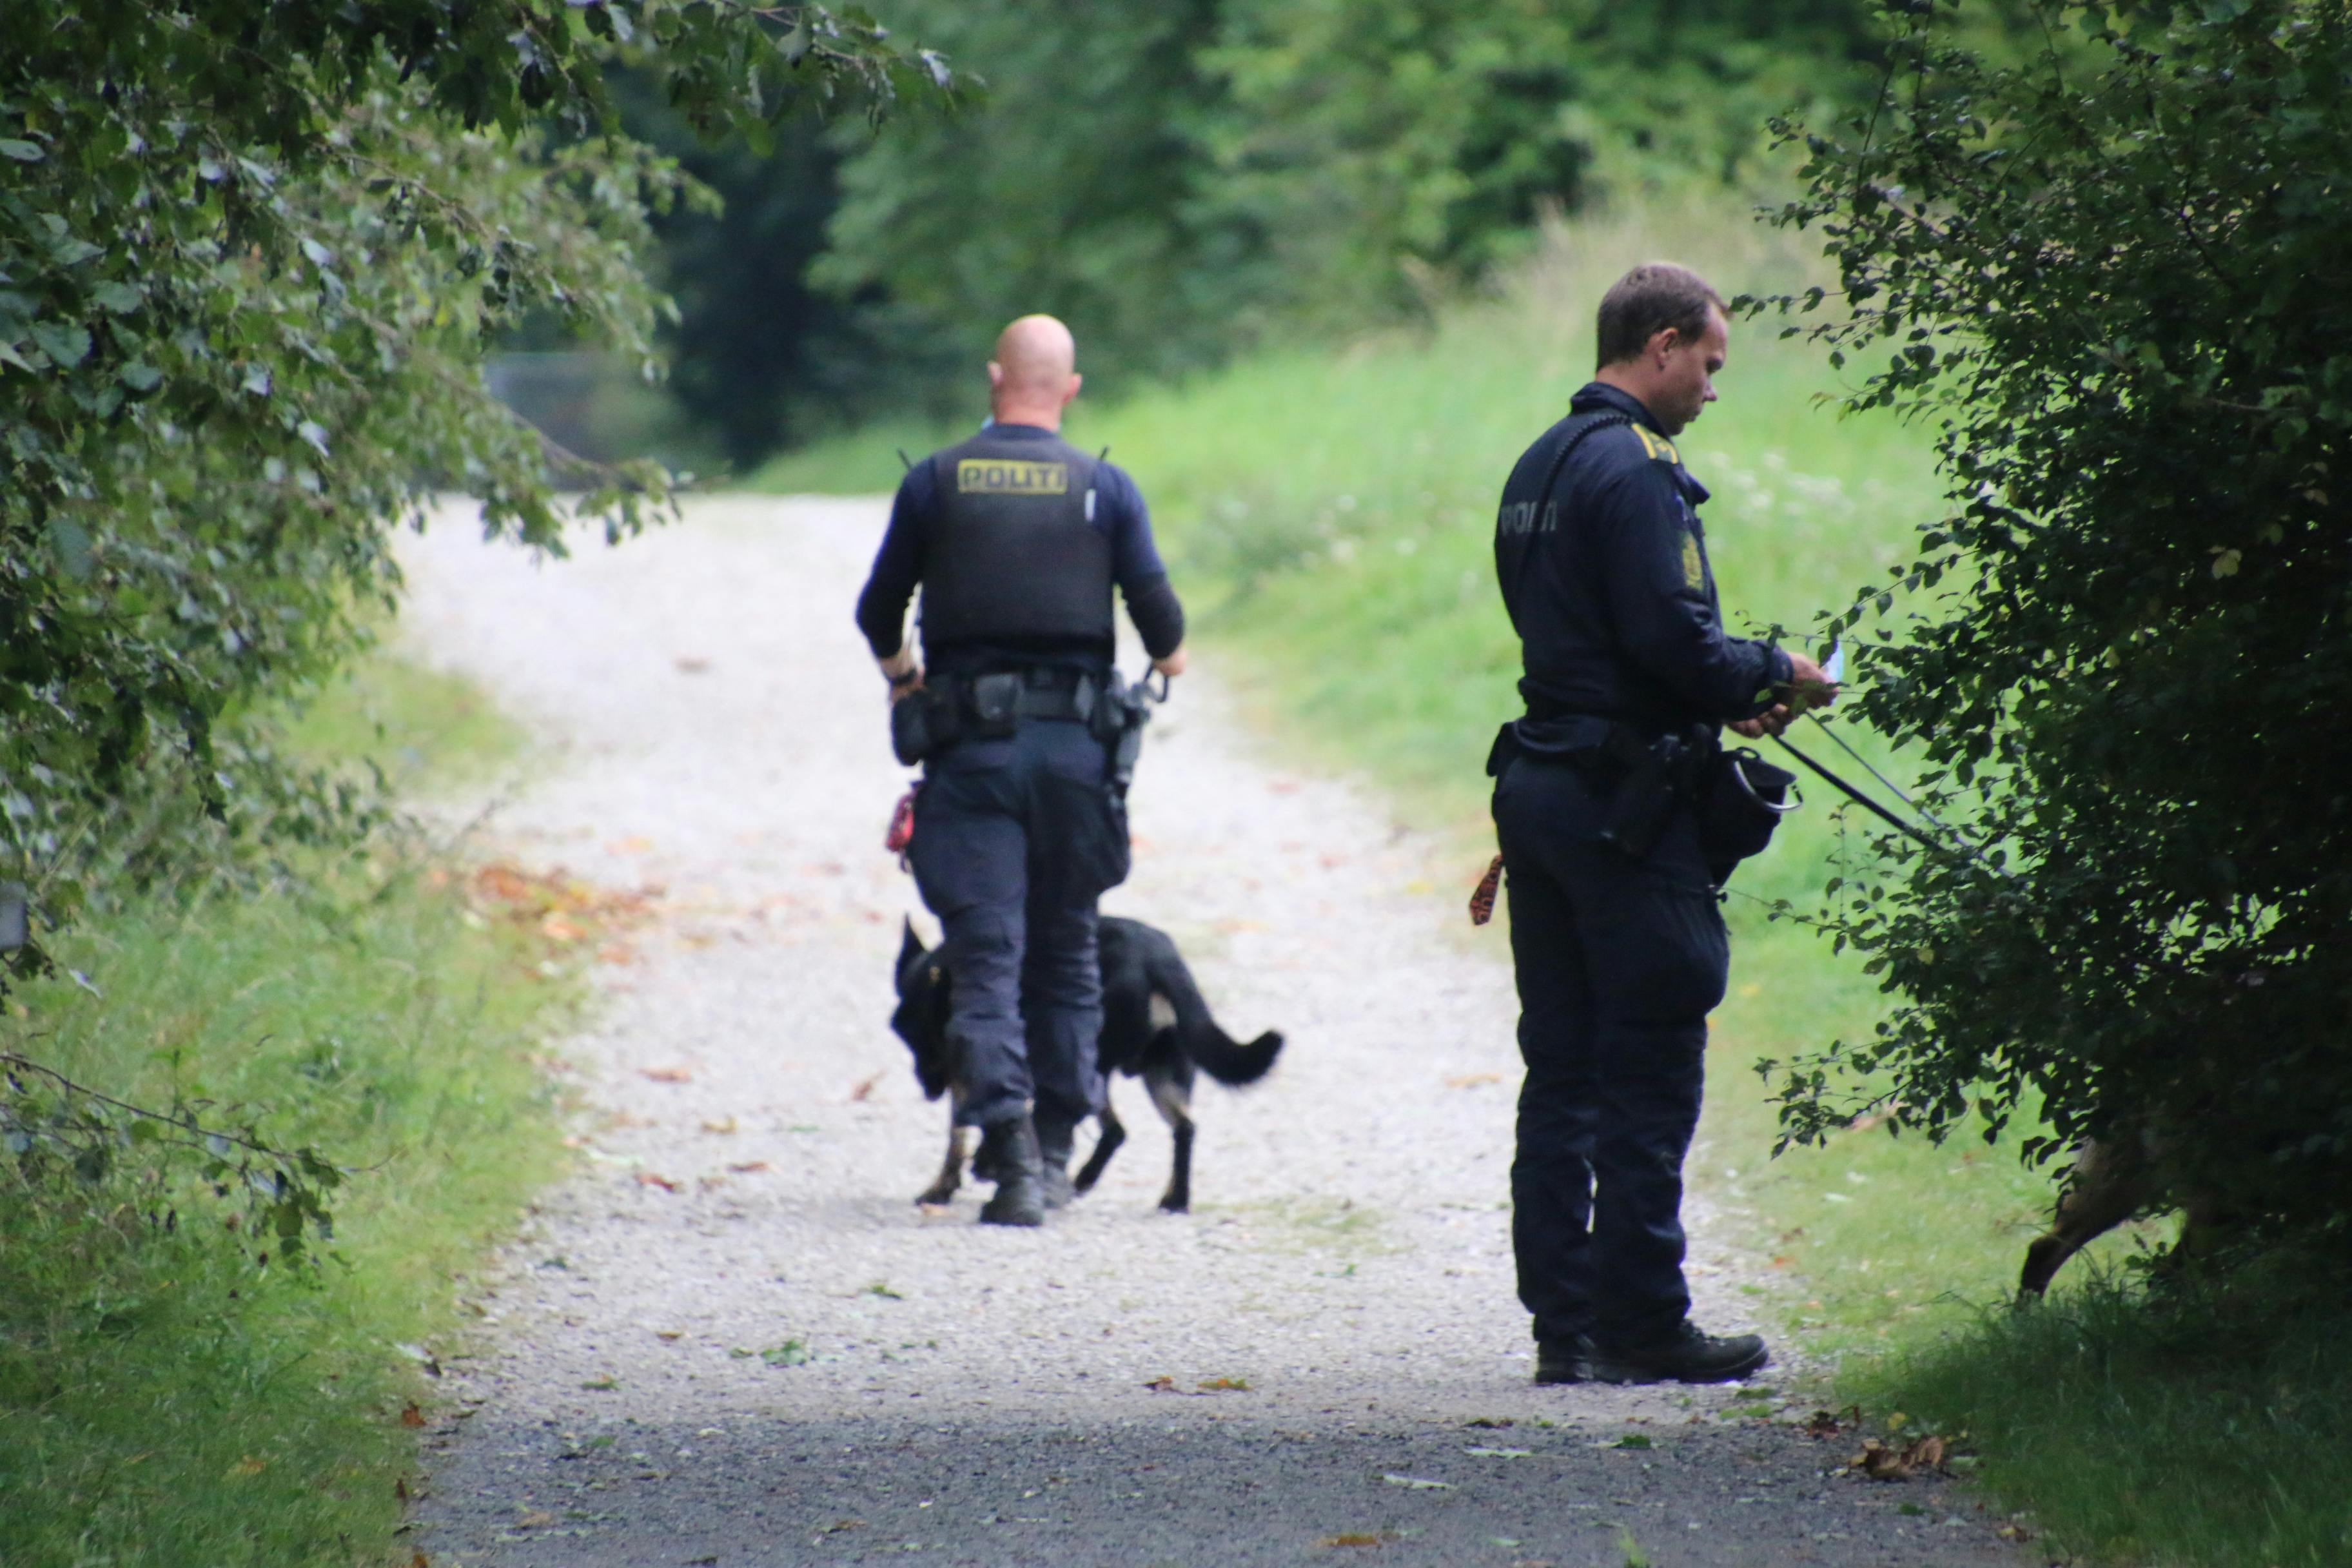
1198 1035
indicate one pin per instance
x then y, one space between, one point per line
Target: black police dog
1155 1028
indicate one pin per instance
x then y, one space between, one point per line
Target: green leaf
66 342
23 152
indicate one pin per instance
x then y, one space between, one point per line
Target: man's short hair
1646 301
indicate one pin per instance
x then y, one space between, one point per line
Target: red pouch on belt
902 823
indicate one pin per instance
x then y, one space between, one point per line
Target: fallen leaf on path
410 1416
400 1488
536 1518
2017 1532
669 1334
1163 1384
1473 1079
1878 1462
420 1561
1500 1453
1491 1421
1826 1423
791 1352
605 1384
620 954
722 1126
1633 1440
863 1089
1350 1538
655 1179
1418 1483
1235 1385
666 1075
838 1525
747 1167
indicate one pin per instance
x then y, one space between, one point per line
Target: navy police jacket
1607 581
1034 573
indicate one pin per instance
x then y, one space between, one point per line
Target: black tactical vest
1014 553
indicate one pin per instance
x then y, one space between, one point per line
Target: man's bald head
1034 373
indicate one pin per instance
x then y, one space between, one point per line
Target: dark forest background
1182 182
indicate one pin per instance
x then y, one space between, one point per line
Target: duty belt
1046 692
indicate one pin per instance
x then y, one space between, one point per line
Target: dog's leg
943 1188
1171 1096
1113 1135
2107 1188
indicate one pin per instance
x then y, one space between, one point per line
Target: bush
2113 275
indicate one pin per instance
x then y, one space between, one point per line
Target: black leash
1858 798
1908 829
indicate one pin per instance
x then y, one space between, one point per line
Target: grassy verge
2206 1430
168 1398
423 728
1328 516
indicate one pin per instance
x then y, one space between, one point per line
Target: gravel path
770 1355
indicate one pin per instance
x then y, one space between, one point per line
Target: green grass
2207 1430
424 728
168 1400
1327 514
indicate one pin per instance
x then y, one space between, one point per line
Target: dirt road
732 1338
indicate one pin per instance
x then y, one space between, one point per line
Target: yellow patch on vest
1658 446
998 476
1693 569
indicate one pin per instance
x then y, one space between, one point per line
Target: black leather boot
1056 1139
1009 1147
1564 1361
1682 1356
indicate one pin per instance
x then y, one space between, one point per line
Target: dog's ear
911 946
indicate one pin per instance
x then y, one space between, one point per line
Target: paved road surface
769 1355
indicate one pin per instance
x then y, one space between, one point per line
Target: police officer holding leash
1026 737
1618 816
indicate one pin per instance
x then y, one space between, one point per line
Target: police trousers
1014 840
1618 964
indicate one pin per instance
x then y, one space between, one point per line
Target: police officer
1016 539
1616 938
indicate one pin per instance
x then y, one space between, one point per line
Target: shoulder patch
1658 446
1001 476
1694 567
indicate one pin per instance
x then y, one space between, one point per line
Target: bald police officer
1616 937
1016 539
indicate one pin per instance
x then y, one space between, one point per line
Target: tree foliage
1183 180
250 255
2119 275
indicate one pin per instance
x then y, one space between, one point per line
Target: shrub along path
733 1338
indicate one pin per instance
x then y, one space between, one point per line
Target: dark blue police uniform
1017 540
1604 571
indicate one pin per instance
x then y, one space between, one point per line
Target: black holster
1648 775
923 723
1656 779
1117 722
